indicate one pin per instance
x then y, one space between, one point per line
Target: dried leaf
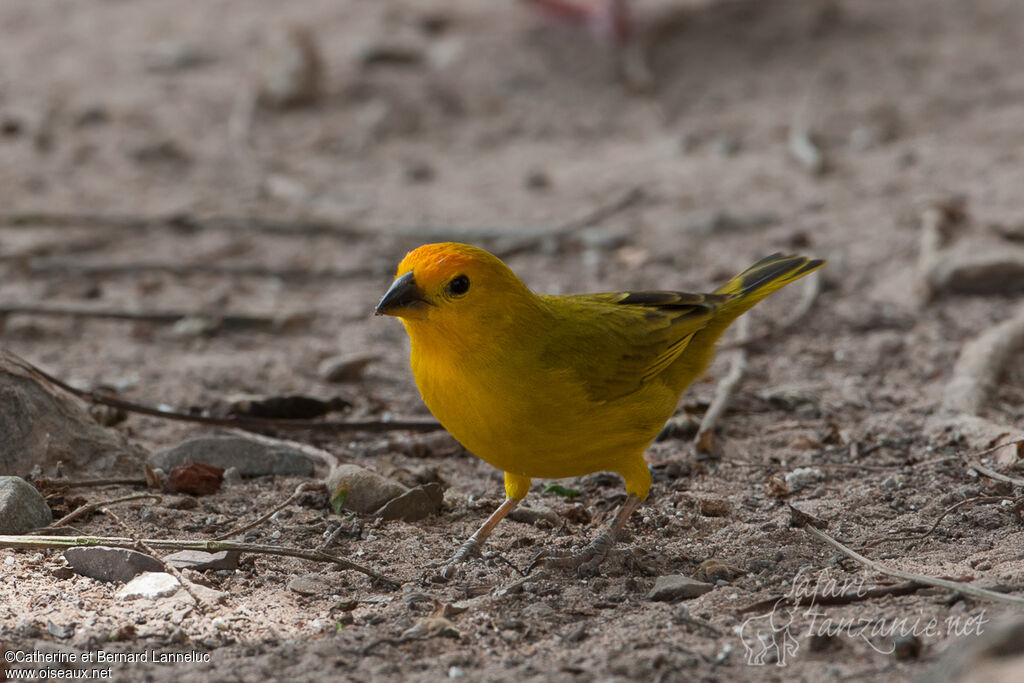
195 478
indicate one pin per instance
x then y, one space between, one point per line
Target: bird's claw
452 568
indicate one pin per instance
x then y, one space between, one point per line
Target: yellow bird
559 386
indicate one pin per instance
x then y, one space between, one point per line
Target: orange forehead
434 262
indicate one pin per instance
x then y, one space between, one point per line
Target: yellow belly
543 425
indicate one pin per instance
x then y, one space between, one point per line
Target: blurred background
201 200
278 159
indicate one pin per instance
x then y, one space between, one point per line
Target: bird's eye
458 286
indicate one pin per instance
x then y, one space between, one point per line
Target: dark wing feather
615 343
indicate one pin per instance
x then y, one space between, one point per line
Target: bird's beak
404 299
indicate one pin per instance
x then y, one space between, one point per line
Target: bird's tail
758 281
734 299
766 276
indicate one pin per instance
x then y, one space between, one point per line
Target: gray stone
677 587
361 490
541 516
311 584
201 561
252 458
347 368
104 563
150 585
41 426
22 508
415 504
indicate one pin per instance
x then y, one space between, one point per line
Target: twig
83 483
528 240
64 268
224 321
601 212
981 361
801 146
965 589
329 541
992 474
299 490
845 598
951 508
90 507
207 546
249 424
346 229
704 441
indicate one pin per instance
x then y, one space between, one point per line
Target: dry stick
801 146
937 221
299 490
992 474
64 268
329 541
90 507
65 248
846 598
704 441
527 240
981 361
951 508
185 583
207 546
82 483
224 321
307 227
965 589
247 423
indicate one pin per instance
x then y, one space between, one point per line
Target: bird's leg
472 545
595 553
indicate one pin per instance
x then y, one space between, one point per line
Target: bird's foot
453 567
585 562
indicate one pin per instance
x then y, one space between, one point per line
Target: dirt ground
487 123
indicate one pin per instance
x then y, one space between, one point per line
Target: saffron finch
559 386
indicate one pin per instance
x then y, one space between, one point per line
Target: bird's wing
615 343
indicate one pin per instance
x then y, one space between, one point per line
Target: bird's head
449 285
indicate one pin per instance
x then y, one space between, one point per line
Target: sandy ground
458 118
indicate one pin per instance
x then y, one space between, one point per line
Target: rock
361 490
41 426
537 516
414 505
232 477
22 507
169 57
986 650
104 563
251 458
150 585
907 647
201 561
677 587
345 368
803 477
294 75
714 507
208 595
311 584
